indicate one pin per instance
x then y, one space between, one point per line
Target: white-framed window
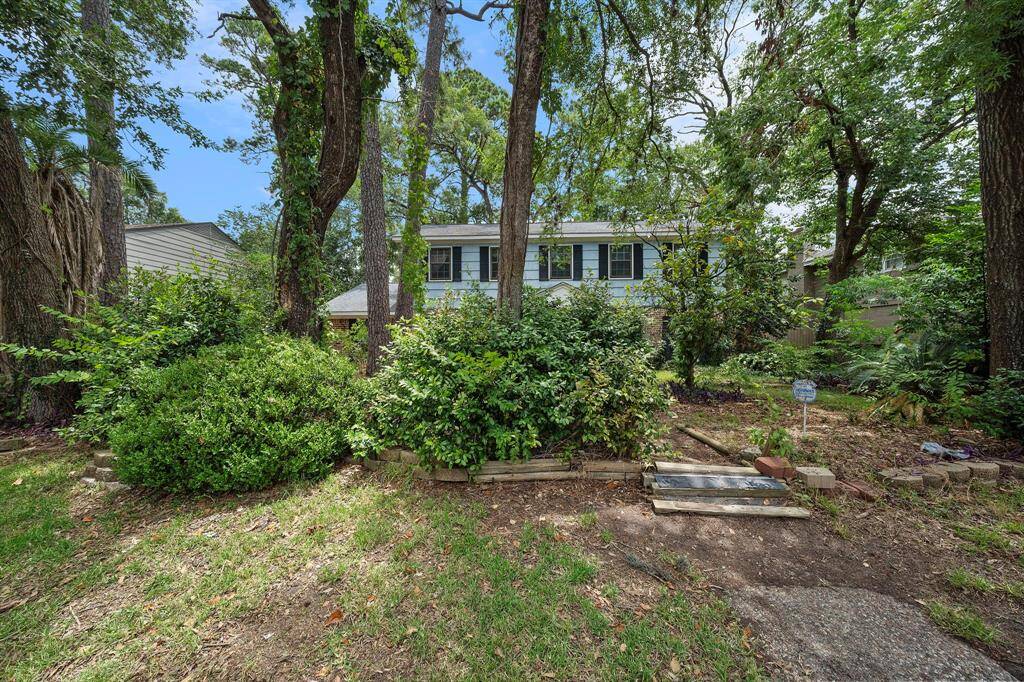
560 261
440 269
892 262
494 254
620 261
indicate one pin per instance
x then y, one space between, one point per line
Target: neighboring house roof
177 247
490 232
352 303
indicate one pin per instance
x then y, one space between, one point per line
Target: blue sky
202 183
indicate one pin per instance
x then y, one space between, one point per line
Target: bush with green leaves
469 382
158 318
237 417
737 301
999 408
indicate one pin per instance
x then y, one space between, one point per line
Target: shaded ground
360 576
369 576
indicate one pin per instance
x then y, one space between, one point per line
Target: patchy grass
962 622
963 579
838 401
355 575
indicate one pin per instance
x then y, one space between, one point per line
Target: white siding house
178 247
463 257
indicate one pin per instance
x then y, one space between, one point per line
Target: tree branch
478 16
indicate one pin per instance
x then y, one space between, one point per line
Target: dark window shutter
638 260
485 263
704 254
602 261
577 262
456 263
542 263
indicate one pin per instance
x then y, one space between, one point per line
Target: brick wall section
654 326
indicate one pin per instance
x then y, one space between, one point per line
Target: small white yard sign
805 391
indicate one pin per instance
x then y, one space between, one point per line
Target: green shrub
999 408
468 383
237 417
777 359
158 319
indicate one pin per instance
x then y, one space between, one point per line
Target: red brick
860 490
776 467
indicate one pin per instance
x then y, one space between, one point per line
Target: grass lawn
355 576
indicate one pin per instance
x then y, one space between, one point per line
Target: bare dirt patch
900 547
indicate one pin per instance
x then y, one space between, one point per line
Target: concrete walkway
830 633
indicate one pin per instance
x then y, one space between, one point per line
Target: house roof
212 228
490 232
352 303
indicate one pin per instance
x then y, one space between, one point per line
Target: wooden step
753 501
686 468
704 508
715 485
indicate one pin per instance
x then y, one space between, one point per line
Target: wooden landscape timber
529 476
720 448
704 508
494 471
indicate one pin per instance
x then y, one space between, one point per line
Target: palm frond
136 180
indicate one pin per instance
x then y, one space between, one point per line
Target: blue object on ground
933 448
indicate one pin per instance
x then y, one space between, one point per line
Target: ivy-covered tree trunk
375 245
312 179
106 197
413 248
33 272
1000 113
518 180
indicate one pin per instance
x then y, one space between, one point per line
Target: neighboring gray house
178 247
463 257
351 305
809 277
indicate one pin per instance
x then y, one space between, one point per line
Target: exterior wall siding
620 288
176 249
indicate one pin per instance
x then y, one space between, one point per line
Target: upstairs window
620 261
440 264
495 253
560 262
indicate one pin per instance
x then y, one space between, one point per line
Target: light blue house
464 257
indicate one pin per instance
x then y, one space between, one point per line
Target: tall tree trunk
1001 145
105 193
463 217
310 204
518 180
375 242
419 156
32 276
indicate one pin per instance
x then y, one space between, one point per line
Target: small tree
735 301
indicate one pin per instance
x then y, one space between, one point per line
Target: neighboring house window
495 259
620 261
892 262
560 262
441 264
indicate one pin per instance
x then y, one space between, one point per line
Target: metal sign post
805 391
